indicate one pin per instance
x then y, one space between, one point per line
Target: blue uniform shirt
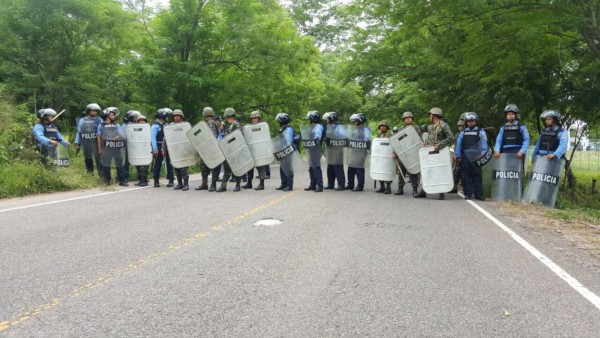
458 149
288 134
153 133
38 132
317 131
524 145
563 139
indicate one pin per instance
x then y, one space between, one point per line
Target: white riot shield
206 144
507 178
480 154
436 170
383 165
60 155
359 143
258 138
181 151
237 154
114 145
406 144
312 144
139 146
544 179
336 140
289 159
87 137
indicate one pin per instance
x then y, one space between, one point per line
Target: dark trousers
89 164
316 177
473 181
268 170
158 163
286 181
336 172
118 160
142 171
360 177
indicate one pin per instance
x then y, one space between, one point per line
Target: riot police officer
130 117
335 154
408 120
111 146
385 187
456 171
87 128
47 134
554 139
255 119
313 146
358 155
157 137
287 181
231 125
439 136
513 136
471 137
142 170
182 174
209 117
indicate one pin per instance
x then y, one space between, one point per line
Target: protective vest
50 131
512 136
161 134
89 128
470 138
549 140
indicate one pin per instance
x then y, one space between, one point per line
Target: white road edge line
574 283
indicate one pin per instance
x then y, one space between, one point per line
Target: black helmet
313 116
511 107
43 113
131 115
163 113
551 114
470 116
360 118
109 110
330 116
283 118
93 106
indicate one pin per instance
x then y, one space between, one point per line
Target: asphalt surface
159 262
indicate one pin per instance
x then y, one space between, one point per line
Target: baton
401 172
57 115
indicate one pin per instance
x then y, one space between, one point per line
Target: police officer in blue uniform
109 115
554 139
513 137
314 170
287 182
47 134
157 136
86 132
359 172
469 138
334 171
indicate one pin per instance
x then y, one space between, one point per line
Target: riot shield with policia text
543 181
288 157
114 145
359 143
479 154
87 137
336 140
312 144
507 178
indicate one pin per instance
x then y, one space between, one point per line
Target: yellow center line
5 325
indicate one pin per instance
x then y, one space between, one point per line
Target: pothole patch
268 222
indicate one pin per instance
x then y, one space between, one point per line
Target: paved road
158 262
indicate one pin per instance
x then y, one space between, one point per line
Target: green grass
586 160
579 203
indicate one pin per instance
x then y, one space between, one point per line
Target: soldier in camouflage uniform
182 174
231 124
385 187
208 113
408 120
439 136
255 118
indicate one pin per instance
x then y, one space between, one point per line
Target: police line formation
421 156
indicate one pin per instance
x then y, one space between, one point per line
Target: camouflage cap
229 112
407 114
383 123
254 114
436 111
178 112
141 117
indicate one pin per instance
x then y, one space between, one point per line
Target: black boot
213 184
388 188
156 184
179 184
170 184
381 187
223 186
441 196
204 185
249 184
237 184
400 189
261 185
185 185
